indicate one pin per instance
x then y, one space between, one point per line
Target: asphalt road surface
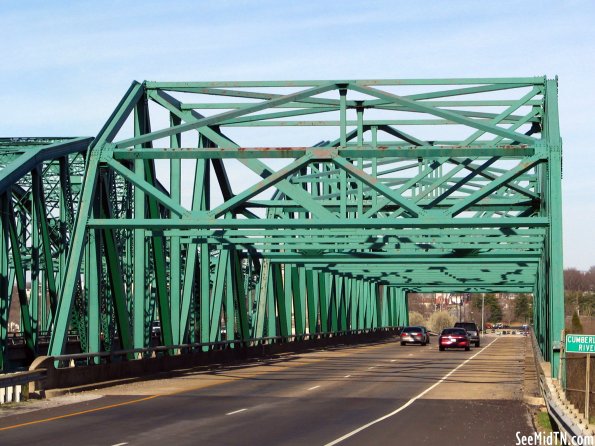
379 394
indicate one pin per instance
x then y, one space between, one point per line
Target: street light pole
460 307
482 313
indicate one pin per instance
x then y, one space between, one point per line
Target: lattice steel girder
28 157
40 183
277 235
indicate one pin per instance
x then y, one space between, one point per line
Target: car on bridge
472 331
454 338
156 329
415 335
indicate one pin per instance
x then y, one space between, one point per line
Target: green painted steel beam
449 115
484 118
514 81
554 250
520 258
377 223
325 153
411 234
454 103
214 120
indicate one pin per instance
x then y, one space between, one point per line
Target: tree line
498 308
579 291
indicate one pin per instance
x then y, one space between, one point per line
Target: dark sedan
454 338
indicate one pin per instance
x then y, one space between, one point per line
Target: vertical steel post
298 288
217 295
139 285
288 300
34 265
555 277
205 294
65 213
175 248
323 303
343 143
587 386
230 326
92 292
5 283
360 160
19 269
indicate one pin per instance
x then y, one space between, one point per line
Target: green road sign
576 343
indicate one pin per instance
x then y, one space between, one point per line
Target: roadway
374 394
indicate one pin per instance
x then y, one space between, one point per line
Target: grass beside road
543 422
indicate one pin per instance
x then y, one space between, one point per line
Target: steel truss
200 210
40 184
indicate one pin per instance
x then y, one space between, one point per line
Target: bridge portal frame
327 237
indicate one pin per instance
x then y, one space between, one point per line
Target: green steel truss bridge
245 210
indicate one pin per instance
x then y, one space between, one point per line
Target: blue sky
65 64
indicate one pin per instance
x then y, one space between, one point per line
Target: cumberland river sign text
576 343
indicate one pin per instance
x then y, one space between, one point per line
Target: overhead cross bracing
292 207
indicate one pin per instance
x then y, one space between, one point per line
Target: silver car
415 335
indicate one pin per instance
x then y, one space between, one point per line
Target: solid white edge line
410 402
119 444
236 411
315 387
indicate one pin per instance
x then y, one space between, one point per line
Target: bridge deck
311 398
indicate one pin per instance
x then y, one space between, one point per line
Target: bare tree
416 318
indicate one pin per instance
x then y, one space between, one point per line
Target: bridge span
241 211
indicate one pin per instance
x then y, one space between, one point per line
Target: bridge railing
15 386
70 360
79 369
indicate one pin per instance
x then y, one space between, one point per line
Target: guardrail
15 386
213 346
78 370
569 420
